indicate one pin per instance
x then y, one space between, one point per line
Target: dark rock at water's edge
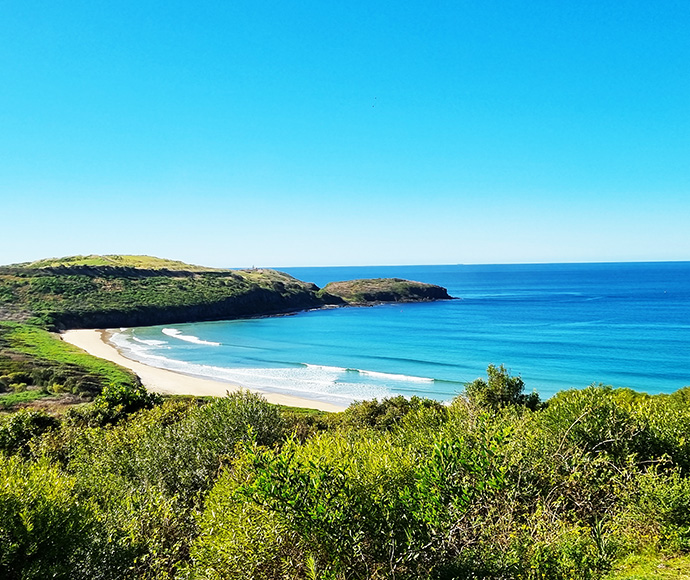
92 293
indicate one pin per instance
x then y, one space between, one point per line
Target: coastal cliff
115 291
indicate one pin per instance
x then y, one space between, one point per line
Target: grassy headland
115 261
374 290
97 296
114 291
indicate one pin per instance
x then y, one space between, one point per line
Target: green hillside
94 293
32 357
115 260
112 291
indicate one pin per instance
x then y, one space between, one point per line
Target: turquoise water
559 326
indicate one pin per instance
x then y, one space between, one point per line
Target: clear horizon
401 265
255 133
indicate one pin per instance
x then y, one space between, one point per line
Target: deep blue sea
559 326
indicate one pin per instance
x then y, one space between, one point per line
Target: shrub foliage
485 487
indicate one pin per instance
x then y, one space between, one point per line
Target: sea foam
394 377
320 382
174 333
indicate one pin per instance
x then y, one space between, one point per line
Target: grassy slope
652 567
34 356
40 344
114 260
10 400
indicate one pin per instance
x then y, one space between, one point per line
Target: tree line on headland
121 483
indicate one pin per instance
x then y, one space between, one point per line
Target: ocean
558 326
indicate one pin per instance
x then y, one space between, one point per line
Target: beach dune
167 382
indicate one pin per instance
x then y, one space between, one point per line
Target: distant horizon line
583 262
391 265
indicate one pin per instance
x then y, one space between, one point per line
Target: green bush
355 504
658 512
149 473
18 387
185 457
116 402
500 390
19 430
386 414
239 539
237 488
46 530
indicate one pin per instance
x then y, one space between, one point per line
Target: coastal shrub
46 530
593 420
19 430
622 425
150 472
304 423
126 398
570 552
353 503
499 390
116 402
178 447
240 539
393 489
185 457
146 529
19 377
666 421
657 512
386 414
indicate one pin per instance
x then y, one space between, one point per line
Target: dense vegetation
107 296
487 487
113 291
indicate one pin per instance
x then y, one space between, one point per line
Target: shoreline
167 382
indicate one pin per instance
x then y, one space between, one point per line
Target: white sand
171 383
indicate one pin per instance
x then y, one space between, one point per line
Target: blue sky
353 133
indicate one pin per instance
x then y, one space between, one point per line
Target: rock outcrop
378 290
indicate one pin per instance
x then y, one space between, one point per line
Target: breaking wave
174 333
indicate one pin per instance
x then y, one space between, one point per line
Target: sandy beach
163 381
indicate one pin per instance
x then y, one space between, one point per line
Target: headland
80 295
